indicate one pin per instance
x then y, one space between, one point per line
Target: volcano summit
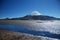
35 15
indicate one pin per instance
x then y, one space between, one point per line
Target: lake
39 28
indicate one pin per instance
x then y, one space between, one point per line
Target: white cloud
35 13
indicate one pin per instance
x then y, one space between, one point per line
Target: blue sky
18 8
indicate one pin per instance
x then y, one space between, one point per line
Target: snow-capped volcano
35 13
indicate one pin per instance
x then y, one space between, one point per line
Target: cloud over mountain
35 13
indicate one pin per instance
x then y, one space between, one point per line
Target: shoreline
8 35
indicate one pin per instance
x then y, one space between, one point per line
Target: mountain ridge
36 17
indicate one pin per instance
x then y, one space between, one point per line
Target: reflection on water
24 30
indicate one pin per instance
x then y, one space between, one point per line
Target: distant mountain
36 17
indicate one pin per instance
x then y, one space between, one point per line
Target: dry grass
9 35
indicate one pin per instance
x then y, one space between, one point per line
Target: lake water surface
52 26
